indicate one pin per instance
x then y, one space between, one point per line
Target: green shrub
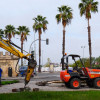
9 82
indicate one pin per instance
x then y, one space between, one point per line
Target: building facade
8 63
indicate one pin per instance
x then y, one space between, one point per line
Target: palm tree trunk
89 41
22 48
9 37
39 52
63 51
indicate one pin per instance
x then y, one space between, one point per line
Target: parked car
23 70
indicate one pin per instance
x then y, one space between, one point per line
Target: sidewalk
13 78
50 87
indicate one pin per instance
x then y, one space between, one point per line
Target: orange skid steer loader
75 77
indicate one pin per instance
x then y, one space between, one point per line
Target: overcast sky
21 12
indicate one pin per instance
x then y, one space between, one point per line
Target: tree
23 31
9 32
39 25
65 15
86 62
86 7
97 60
1 33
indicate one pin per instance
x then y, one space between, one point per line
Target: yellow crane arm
5 44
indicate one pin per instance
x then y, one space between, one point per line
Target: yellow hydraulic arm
9 46
5 44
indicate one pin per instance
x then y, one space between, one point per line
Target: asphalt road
45 77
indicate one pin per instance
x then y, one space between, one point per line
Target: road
45 77
41 77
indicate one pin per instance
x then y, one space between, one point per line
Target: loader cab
69 59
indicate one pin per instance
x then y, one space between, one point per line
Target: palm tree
23 31
65 15
86 7
9 32
40 23
1 33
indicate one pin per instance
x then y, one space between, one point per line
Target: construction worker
0 75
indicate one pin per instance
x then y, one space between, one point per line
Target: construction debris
45 83
35 89
56 81
42 83
21 89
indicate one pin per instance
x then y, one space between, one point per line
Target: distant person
0 75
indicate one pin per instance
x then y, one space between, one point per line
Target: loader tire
75 83
97 83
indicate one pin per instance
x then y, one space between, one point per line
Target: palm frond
1 33
88 6
23 31
59 9
44 27
65 15
81 5
40 23
94 7
58 18
10 31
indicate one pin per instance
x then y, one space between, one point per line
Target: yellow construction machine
10 47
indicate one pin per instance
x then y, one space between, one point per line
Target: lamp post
47 42
83 47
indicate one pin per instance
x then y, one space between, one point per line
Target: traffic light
47 41
32 52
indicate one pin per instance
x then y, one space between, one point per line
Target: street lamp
83 52
47 42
